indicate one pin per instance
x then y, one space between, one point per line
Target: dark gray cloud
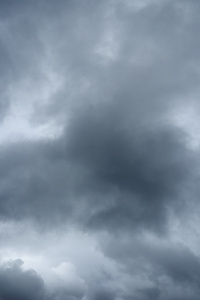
172 269
99 118
18 284
143 169
118 179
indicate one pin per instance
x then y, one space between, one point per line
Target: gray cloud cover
99 150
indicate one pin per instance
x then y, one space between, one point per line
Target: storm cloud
99 156
16 284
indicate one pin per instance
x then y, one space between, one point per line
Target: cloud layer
99 150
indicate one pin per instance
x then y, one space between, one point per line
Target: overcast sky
99 149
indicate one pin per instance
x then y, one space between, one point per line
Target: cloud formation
99 150
17 284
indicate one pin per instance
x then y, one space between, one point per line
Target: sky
99 150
